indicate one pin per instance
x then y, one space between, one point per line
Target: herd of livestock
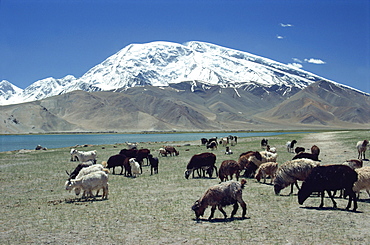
347 178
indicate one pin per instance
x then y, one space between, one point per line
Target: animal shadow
221 220
331 208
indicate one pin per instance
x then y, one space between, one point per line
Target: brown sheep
267 168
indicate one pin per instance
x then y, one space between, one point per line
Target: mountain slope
322 104
164 63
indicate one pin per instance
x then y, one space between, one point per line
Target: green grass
157 209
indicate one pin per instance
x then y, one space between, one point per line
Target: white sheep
266 157
267 168
361 148
90 182
135 167
363 182
289 172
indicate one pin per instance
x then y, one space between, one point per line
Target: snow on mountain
8 91
161 63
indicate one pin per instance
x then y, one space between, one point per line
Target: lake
18 142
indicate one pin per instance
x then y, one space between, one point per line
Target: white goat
361 148
93 181
135 167
83 156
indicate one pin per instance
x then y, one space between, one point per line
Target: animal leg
212 212
322 199
222 211
235 209
332 199
352 196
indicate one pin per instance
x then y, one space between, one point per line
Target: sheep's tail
243 182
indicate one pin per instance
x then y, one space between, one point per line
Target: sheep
231 167
233 140
83 156
253 165
361 148
228 151
306 155
329 178
135 167
354 163
299 149
363 182
131 153
201 161
212 145
171 150
162 152
315 150
203 141
93 181
221 195
251 161
224 141
73 155
153 161
290 145
267 168
264 143
289 172
271 149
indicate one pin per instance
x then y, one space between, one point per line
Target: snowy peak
163 63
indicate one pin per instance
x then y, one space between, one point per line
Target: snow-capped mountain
162 63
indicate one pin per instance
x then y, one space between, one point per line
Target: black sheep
329 178
153 161
203 161
306 155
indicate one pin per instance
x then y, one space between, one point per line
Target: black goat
330 178
204 161
153 161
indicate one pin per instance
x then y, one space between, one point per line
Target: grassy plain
157 209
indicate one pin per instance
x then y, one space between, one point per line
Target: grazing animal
221 195
89 170
118 160
250 161
330 178
171 150
203 141
290 145
233 140
135 167
299 149
264 143
224 141
141 155
83 156
363 182
228 151
229 168
306 155
162 152
266 169
204 161
131 153
315 150
88 183
361 148
153 161
271 149
212 145
80 166
354 163
289 172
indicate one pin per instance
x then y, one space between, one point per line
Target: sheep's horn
67 173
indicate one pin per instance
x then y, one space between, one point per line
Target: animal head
303 193
187 173
68 185
277 189
198 209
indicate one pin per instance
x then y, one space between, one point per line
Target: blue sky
55 38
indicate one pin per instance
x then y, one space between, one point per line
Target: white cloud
297 60
315 61
295 65
279 37
286 25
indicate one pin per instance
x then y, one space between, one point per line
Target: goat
201 161
203 141
153 161
221 195
162 152
329 178
289 172
299 149
306 155
264 143
270 149
119 160
228 151
171 150
89 170
361 148
135 167
267 168
83 156
250 161
290 145
77 170
212 145
141 154
93 181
